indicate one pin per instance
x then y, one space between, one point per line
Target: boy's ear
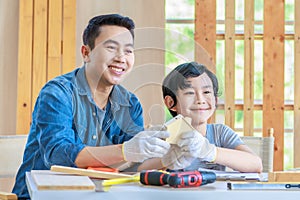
169 102
85 52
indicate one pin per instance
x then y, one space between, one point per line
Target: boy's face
113 56
197 102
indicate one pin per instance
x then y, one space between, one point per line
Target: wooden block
87 172
55 181
284 176
176 126
8 196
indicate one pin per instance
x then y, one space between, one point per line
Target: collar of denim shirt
119 96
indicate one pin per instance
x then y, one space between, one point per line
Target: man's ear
169 102
85 52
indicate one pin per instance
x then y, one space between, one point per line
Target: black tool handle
150 177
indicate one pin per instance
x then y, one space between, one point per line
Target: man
85 118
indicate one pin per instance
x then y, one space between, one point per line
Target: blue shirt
66 119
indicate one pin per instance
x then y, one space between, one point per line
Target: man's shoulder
64 82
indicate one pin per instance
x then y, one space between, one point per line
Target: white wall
145 80
9 19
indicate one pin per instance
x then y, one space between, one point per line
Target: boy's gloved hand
197 146
146 144
176 158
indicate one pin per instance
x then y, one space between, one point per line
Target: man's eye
111 47
207 92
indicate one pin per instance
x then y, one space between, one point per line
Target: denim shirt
66 119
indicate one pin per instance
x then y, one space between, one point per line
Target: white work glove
197 146
146 144
176 158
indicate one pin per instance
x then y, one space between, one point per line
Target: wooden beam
273 76
230 63
205 33
249 68
297 86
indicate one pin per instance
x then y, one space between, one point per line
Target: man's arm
99 156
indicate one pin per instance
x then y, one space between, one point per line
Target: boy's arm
241 159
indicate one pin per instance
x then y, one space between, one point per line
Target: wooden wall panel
230 63
273 76
69 36
46 40
39 59
248 68
54 39
25 66
297 86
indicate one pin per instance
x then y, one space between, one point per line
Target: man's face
113 56
197 102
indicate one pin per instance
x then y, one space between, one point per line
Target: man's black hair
93 29
177 79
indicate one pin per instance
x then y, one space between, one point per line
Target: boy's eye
128 51
189 93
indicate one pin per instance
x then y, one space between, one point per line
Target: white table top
132 191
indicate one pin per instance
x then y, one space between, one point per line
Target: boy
192 90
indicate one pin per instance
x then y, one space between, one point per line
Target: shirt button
94 137
94 114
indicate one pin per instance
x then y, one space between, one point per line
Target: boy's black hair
93 29
177 79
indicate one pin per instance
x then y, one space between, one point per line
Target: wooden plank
205 33
297 86
39 70
230 63
88 172
249 68
54 39
284 176
24 66
47 180
8 196
69 35
273 76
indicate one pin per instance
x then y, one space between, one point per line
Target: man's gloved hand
176 158
146 144
197 146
